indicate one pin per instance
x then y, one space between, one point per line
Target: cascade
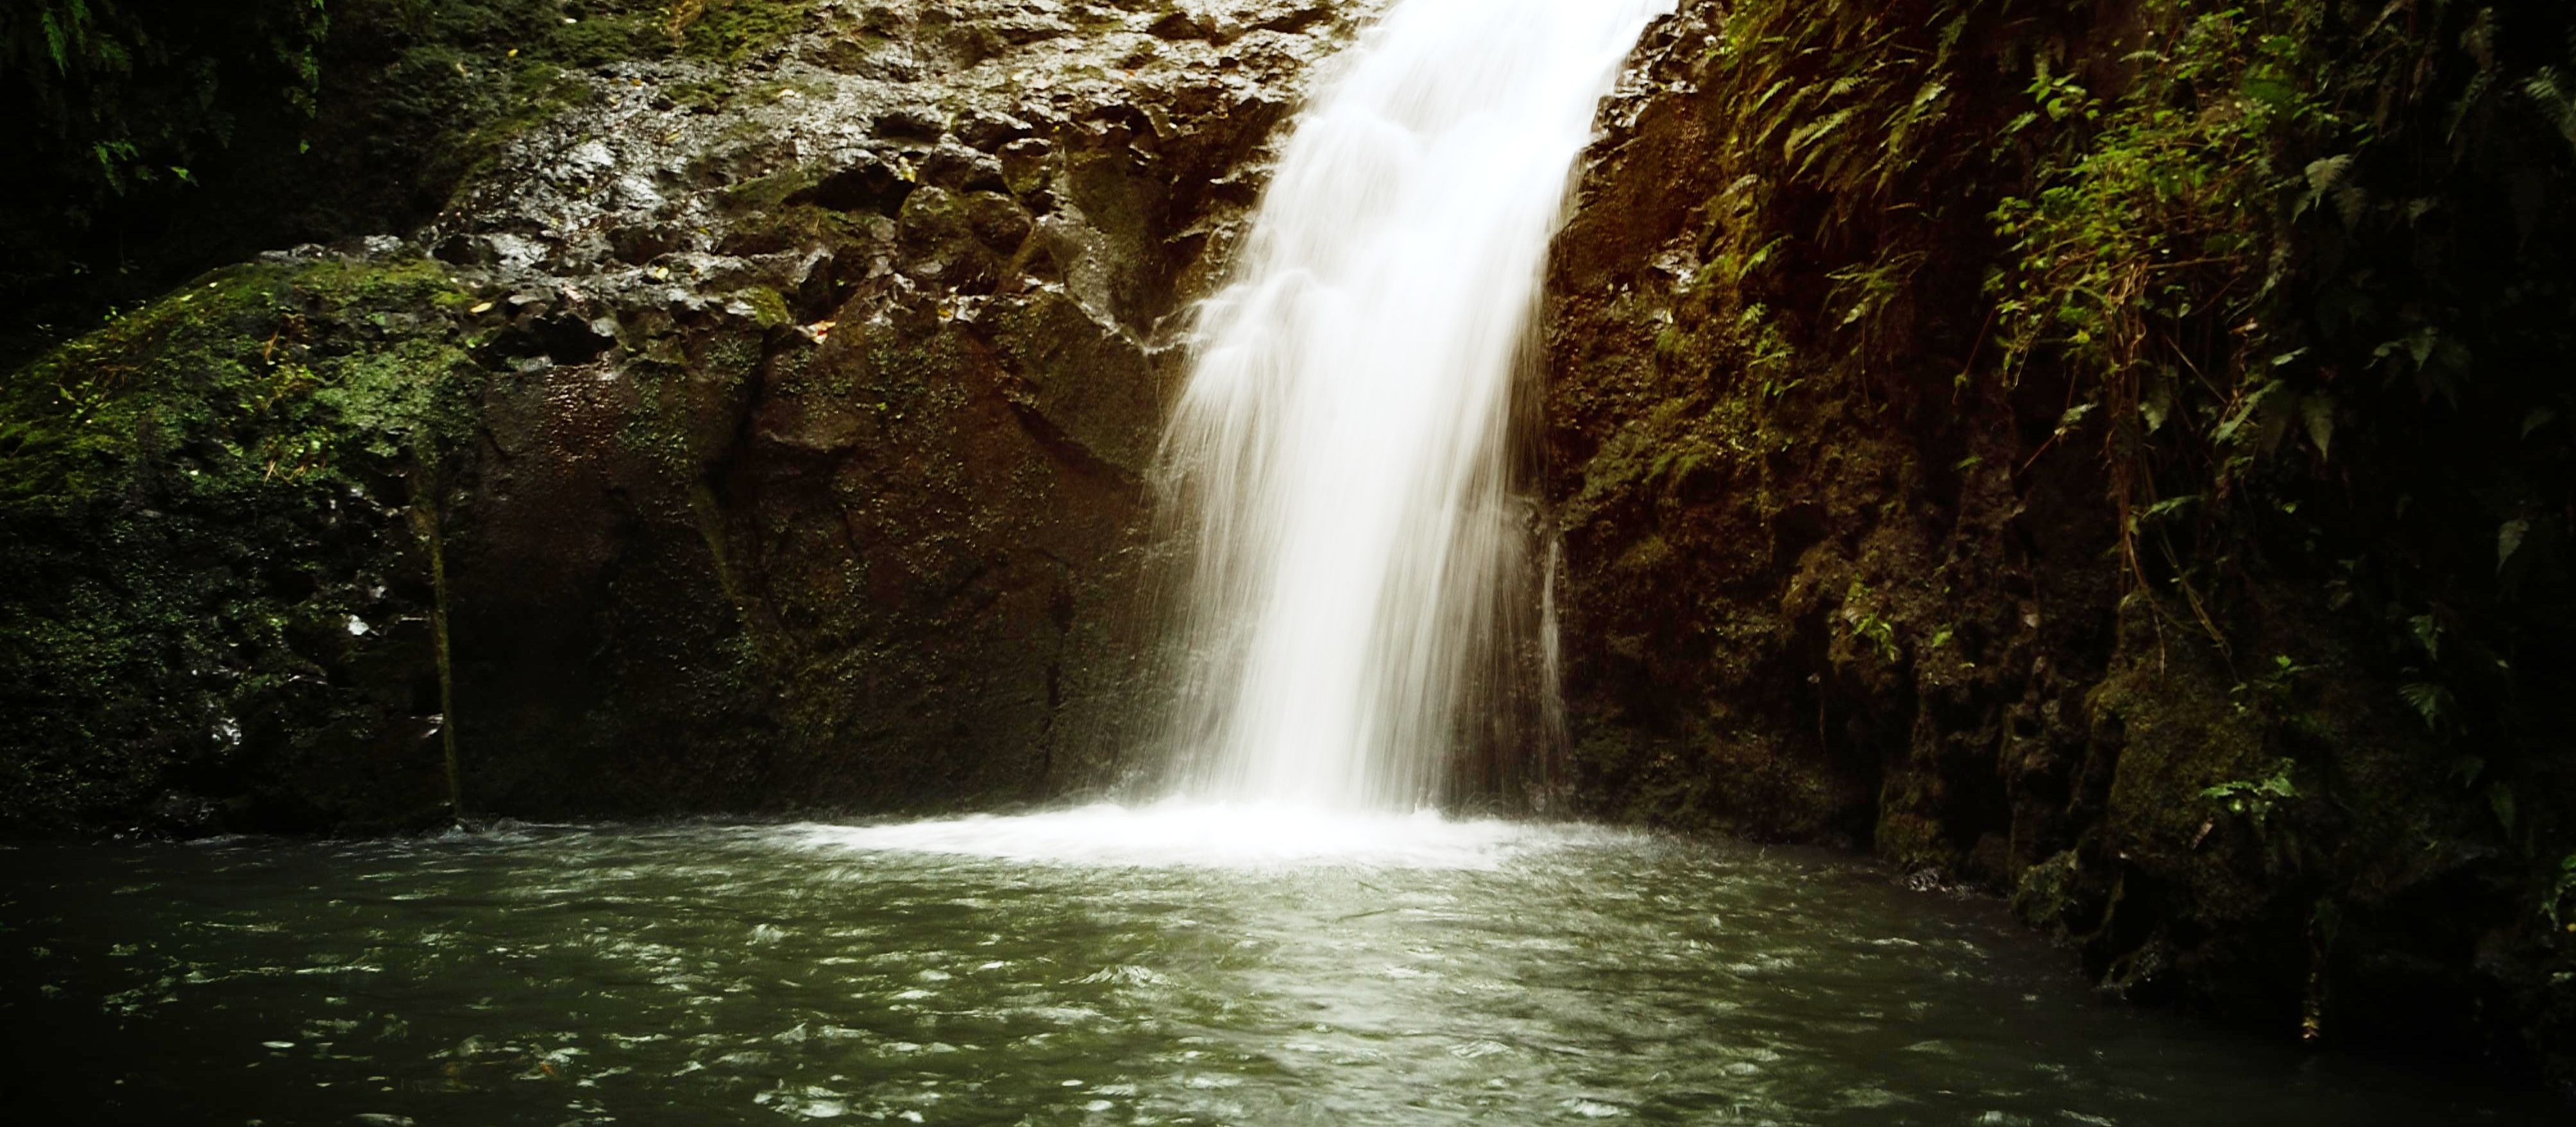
1338 465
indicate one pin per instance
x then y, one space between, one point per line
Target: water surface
1090 967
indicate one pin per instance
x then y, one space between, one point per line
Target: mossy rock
210 536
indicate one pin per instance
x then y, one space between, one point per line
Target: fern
2556 97
2432 702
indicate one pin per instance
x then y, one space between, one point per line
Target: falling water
1340 452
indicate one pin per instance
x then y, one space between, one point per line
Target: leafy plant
122 94
1867 626
2274 687
2310 260
2255 799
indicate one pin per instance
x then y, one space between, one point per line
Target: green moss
476 74
196 500
625 31
2181 737
704 95
534 93
768 308
770 192
686 403
732 30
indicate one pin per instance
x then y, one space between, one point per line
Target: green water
713 975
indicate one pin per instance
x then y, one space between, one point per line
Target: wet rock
910 124
988 131
870 185
809 380
1182 23
964 170
1063 357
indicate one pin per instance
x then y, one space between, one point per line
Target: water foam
1181 834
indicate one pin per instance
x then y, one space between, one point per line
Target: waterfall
1338 465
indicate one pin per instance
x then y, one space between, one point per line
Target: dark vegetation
2311 266
2115 453
124 95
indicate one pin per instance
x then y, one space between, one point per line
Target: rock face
792 412
818 485
1839 569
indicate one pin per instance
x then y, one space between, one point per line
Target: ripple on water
1414 971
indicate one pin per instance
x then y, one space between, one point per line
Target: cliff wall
2099 453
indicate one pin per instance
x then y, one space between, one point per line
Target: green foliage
1810 260
2300 274
2432 702
2274 689
2144 259
2139 217
1844 114
2255 799
2313 261
1867 626
123 94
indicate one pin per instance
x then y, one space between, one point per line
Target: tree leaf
2317 410
2428 634
2155 402
2168 507
2251 408
2500 800
2509 539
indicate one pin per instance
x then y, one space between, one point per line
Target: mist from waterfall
1360 603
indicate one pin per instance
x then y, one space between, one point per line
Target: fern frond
2556 97
2432 702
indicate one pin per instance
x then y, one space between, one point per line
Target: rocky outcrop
1854 557
776 418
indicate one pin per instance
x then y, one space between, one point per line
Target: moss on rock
209 542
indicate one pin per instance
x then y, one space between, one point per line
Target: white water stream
1341 449
1364 608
